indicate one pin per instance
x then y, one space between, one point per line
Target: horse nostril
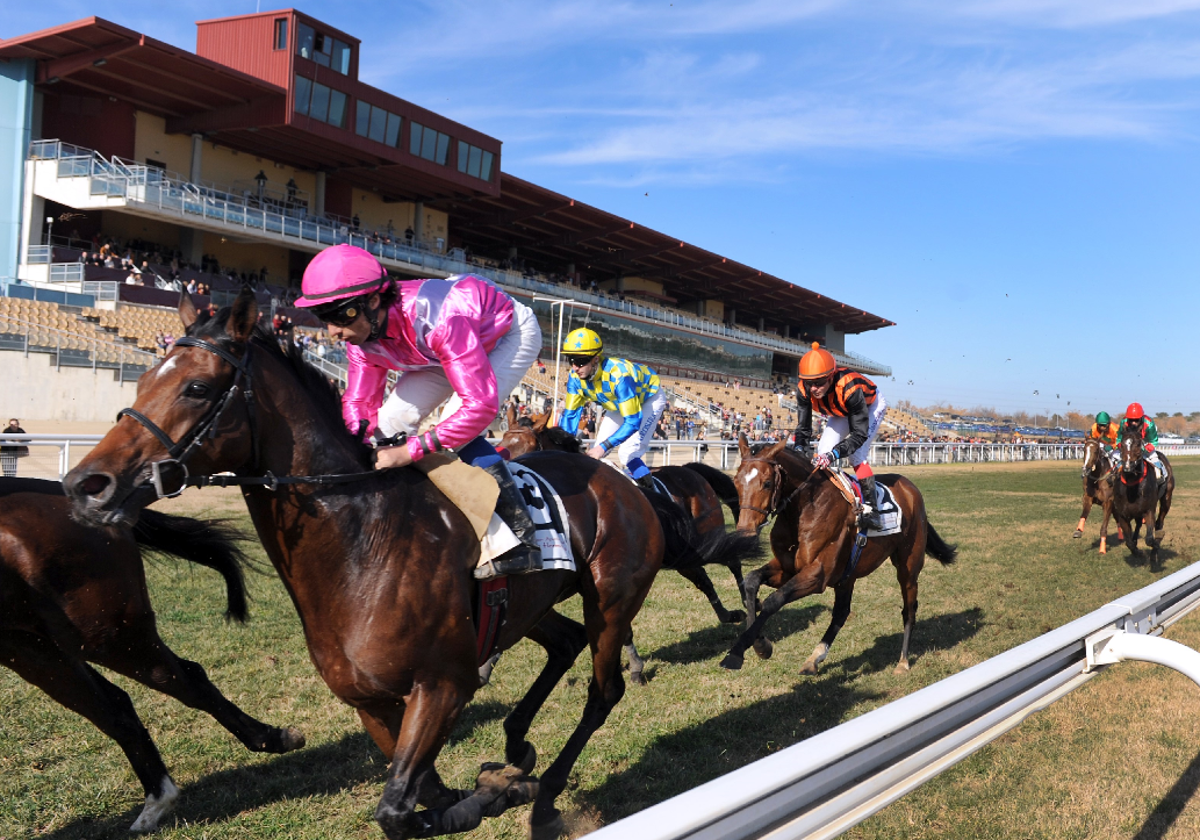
94 485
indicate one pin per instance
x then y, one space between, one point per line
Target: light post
49 231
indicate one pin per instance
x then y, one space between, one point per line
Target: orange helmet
1134 412
817 363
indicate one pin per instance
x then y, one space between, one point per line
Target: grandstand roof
549 230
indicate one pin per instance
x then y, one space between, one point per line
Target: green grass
1121 755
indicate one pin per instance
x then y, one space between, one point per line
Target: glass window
337 108
429 139
305 36
378 124
281 33
476 159
340 57
414 139
463 149
485 169
321 50
362 118
443 148
319 109
393 130
303 91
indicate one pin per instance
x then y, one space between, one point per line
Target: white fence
45 464
823 786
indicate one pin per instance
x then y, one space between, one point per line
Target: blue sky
1015 183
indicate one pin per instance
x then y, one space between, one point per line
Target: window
320 102
377 124
319 47
474 161
429 143
281 33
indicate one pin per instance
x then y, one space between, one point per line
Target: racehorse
74 595
1098 478
379 563
1137 493
692 489
812 541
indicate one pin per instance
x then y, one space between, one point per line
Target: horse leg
139 653
703 582
1107 512
79 687
753 582
1087 508
604 692
637 665
841 611
563 639
806 582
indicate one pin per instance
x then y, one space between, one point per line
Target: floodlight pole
562 304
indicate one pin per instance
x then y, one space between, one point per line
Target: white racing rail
823 786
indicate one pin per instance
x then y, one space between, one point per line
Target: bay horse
1137 495
1098 475
75 595
814 532
379 563
692 489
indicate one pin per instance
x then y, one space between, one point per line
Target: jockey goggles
575 360
341 313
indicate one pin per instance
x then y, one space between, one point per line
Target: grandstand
236 163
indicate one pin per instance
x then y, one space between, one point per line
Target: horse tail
721 484
686 549
211 544
937 548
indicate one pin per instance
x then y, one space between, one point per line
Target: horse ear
511 415
773 450
244 316
743 445
539 422
187 309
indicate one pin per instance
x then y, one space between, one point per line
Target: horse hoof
291 738
732 663
549 830
735 617
901 669
809 668
763 647
1078 533
637 678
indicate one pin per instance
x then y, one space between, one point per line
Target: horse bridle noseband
776 505
178 452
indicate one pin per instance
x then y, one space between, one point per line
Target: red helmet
817 363
1134 412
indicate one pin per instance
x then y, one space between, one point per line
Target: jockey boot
646 482
510 506
869 520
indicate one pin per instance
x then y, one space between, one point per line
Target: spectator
11 450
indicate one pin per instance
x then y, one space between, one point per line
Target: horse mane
325 393
564 440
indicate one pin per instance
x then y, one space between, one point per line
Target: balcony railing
225 206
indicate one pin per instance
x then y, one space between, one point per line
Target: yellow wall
714 309
152 141
640 284
248 256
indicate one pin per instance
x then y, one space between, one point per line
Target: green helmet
1102 419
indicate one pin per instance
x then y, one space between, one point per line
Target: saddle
884 502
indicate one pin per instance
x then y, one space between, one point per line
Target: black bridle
178 452
777 505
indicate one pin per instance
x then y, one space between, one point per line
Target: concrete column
730 317
197 155
762 324
319 196
835 340
191 245
787 331
419 221
16 103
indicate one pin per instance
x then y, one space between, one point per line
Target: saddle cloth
890 515
548 515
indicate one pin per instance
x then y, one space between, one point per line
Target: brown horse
1098 478
1137 494
74 595
379 564
691 488
812 540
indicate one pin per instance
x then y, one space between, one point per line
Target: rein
776 505
180 451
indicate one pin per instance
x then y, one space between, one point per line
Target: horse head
1132 454
1095 462
760 481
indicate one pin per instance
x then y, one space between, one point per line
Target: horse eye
198 390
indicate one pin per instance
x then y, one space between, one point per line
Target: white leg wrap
156 808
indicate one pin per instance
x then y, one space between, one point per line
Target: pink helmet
340 272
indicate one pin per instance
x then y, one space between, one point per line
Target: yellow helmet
817 363
583 342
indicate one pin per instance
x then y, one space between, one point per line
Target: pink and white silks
461 337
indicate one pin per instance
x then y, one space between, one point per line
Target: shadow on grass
1171 806
317 771
715 641
741 736
477 715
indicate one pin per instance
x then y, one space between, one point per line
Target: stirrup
869 519
522 560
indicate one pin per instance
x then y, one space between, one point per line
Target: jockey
1104 430
628 391
460 338
854 408
1137 421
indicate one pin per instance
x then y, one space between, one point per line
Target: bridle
1127 444
526 430
777 505
1101 460
178 452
